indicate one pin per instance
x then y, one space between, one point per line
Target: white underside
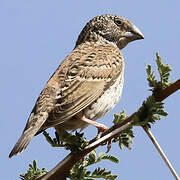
107 101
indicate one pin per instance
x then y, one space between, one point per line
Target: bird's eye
118 22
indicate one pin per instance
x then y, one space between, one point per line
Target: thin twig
159 149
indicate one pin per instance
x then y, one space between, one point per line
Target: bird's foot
100 132
101 127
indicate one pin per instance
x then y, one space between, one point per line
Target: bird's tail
34 124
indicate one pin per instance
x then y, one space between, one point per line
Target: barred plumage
87 84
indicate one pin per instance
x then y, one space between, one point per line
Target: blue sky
36 35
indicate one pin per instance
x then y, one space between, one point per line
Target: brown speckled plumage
87 84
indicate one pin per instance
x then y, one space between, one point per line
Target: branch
160 96
61 171
159 149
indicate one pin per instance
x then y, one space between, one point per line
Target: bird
87 84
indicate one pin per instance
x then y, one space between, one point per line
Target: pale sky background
36 35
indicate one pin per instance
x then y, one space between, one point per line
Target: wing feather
82 78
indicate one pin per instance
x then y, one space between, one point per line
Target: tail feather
34 124
22 143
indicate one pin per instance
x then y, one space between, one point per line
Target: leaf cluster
149 112
125 138
164 72
71 142
80 171
33 172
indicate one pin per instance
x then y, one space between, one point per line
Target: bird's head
110 28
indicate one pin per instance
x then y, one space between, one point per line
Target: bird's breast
107 101
100 107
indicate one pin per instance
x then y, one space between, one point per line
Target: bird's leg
101 127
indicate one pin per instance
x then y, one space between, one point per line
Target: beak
134 34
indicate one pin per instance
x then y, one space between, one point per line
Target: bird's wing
82 78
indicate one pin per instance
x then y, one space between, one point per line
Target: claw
101 129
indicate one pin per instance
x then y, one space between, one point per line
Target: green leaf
125 138
149 112
151 77
33 172
80 172
71 142
110 158
164 71
102 173
118 118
